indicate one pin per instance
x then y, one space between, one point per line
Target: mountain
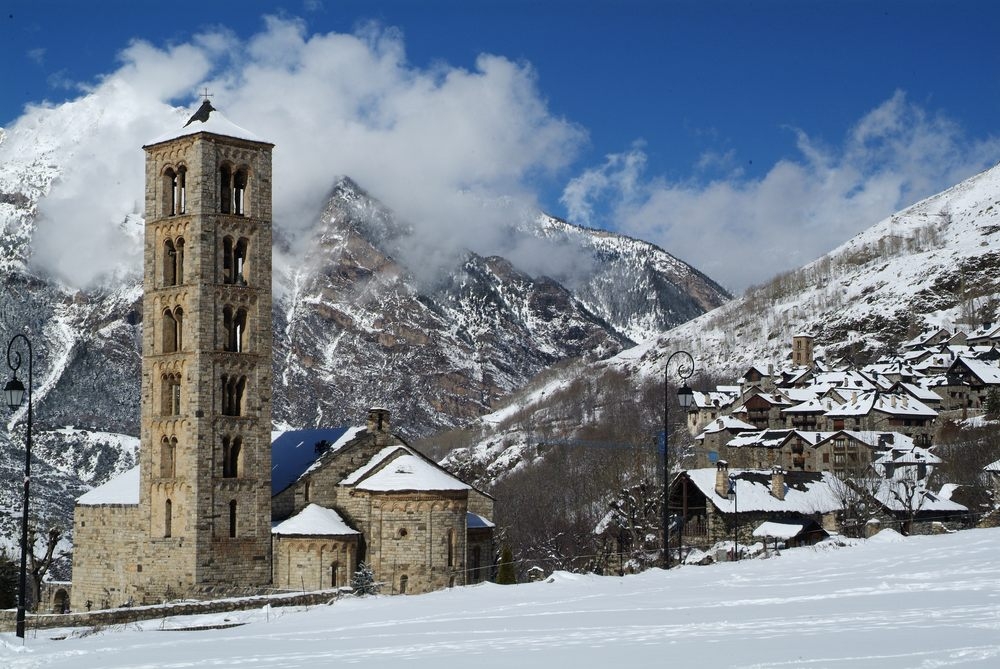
935 263
353 327
357 320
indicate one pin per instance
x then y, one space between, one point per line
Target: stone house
416 525
702 498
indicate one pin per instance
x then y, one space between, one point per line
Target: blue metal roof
294 451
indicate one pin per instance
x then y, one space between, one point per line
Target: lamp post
14 394
731 494
684 397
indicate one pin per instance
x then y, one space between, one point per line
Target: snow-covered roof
712 399
805 492
208 119
906 495
761 439
397 468
911 455
987 372
897 405
122 489
314 520
774 530
992 467
726 423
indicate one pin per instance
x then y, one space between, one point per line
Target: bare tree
38 565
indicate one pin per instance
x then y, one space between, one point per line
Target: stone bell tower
205 459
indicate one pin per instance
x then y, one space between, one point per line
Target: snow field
888 602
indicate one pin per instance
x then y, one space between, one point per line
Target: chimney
378 424
778 482
721 478
892 402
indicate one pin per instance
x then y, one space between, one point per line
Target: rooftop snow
805 492
314 520
405 472
122 489
208 119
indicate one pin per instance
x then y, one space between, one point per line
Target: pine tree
506 575
363 581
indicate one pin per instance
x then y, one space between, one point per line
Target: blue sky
715 129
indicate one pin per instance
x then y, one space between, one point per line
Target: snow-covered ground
888 602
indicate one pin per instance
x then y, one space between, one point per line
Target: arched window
233 389
451 548
181 190
234 325
239 192
170 395
403 581
335 575
307 490
225 189
168 513
169 192
232 457
178 329
179 261
170 329
232 518
234 259
168 457
169 263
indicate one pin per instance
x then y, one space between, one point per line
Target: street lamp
731 494
685 396
13 394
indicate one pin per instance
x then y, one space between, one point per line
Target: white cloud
742 231
432 143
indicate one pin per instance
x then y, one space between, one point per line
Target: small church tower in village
202 515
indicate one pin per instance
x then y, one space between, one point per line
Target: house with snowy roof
366 495
970 380
880 412
716 503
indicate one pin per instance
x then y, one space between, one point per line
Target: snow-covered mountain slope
354 327
934 263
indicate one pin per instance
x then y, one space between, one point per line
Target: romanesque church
215 507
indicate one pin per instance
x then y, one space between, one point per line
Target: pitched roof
805 492
295 452
399 468
208 119
314 520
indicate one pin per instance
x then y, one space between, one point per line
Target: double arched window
232 457
173 262
172 339
233 390
233 189
170 395
234 324
234 260
175 191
